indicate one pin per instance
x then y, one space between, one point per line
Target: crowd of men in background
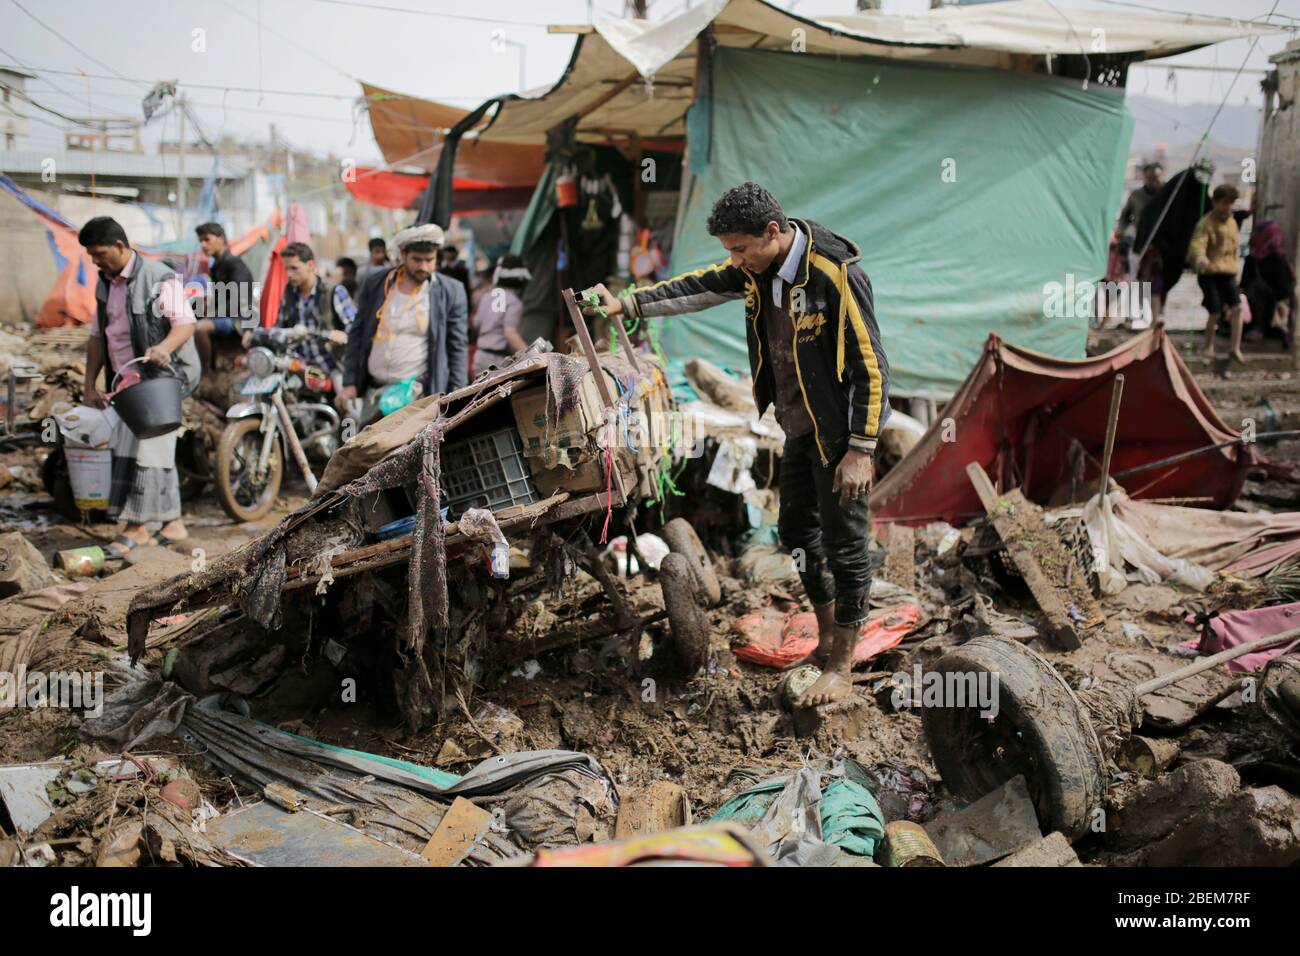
1256 290
387 324
419 302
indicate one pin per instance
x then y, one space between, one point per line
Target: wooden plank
588 347
534 364
1003 513
983 486
619 495
566 635
900 557
613 91
461 828
661 806
348 563
626 342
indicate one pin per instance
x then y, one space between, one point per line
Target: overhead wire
1200 143
315 94
56 33
387 8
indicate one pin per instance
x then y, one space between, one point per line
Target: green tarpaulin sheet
850 817
967 189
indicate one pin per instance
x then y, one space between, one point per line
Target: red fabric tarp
403 191
1018 412
774 639
275 280
1232 628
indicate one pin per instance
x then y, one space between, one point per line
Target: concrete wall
1278 192
27 270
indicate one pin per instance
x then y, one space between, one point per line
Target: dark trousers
827 540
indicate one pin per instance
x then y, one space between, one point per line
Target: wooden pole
291 439
1116 395
588 346
1191 670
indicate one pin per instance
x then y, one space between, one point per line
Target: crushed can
907 844
81 562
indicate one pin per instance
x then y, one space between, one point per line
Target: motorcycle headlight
260 361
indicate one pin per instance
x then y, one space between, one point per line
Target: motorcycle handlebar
283 338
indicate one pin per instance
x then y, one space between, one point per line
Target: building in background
13 106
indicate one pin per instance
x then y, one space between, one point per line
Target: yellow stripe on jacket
840 276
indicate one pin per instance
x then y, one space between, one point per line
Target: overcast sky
324 47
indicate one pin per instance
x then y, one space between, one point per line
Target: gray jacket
148 325
448 366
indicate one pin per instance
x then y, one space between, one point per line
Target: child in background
1213 254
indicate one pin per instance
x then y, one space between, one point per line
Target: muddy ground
701 731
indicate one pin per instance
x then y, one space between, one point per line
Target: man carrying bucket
142 325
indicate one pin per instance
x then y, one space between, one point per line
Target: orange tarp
409 131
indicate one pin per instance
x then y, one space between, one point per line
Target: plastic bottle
500 559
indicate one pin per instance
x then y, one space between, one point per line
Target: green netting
1034 170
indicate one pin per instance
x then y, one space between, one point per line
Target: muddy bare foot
173 530
817 659
825 638
830 687
1239 357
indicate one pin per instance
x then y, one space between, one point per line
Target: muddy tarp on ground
547 797
1244 544
842 814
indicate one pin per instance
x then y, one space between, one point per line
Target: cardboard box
564 455
562 441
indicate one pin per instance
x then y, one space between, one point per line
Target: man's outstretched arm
690 292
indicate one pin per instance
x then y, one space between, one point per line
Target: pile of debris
553 669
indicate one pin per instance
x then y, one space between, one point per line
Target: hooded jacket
842 370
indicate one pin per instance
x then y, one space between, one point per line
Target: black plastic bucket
152 406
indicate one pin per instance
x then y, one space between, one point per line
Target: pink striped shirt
171 302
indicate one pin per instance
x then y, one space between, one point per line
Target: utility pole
282 194
181 198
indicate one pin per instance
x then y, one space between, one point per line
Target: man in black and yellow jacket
815 353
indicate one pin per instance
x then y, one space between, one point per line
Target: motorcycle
261 431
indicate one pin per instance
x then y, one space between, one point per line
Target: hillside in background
1178 127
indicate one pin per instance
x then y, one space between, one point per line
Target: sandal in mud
120 547
163 541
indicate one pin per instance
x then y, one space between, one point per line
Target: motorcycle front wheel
243 498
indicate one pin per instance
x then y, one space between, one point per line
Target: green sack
399 395
850 816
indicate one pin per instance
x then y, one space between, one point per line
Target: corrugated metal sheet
127 165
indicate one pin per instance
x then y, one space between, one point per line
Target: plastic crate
486 471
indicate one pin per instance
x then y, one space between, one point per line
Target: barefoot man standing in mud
814 352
